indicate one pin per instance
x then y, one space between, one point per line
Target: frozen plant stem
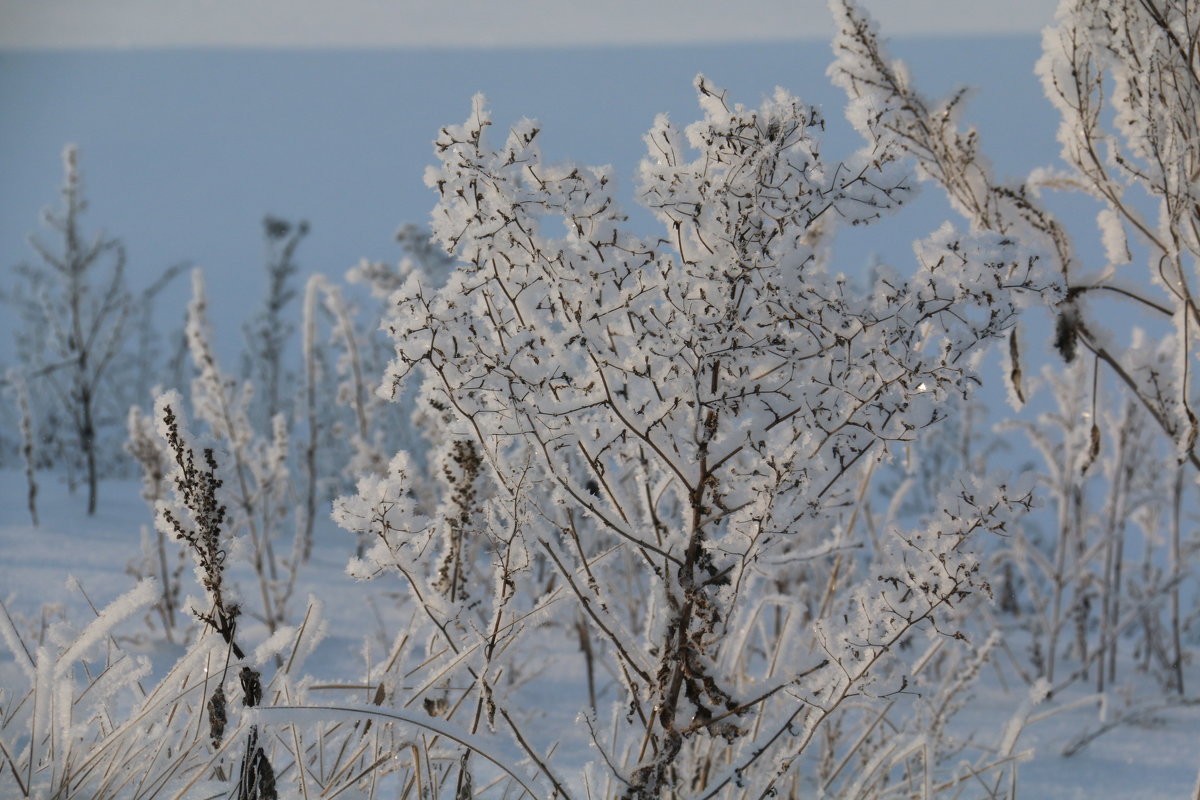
259 468
28 437
1175 566
196 490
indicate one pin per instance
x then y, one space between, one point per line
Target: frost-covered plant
684 430
1125 58
158 558
78 316
83 718
256 492
347 437
355 369
888 110
269 333
343 438
20 387
1133 66
196 517
1123 76
424 256
1068 441
60 697
75 307
1080 596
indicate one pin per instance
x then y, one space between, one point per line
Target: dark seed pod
1093 449
251 687
216 716
1066 333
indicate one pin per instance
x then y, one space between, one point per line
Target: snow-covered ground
1154 757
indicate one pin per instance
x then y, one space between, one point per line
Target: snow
1152 758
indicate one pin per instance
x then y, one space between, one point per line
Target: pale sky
517 23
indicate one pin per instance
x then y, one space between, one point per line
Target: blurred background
194 120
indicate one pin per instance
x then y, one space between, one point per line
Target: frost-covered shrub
75 344
682 431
